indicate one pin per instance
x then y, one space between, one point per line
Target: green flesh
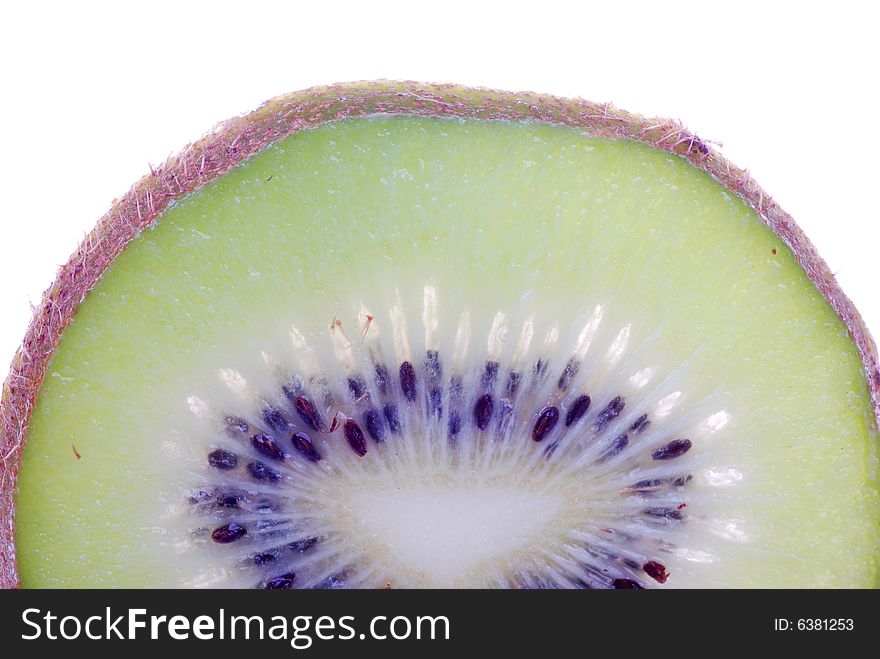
326 220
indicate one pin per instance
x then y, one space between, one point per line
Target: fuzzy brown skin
239 138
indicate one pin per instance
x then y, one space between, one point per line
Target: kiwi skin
237 139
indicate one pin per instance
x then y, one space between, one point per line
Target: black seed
264 559
490 372
435 402
547 420
665 513
382 378
275 420
332 582
454 425
222 459
236 424
616 447
391 416
456 401
307 412
302 545
373 422
483 410
261 472
571 369
432 364
540 369
228 533
513 383
656 484
646 486
357 386
303 443
284 582
408 381
657 571
673 449
355 437
611 412
578 408
626 584
228 500
267 446
640 424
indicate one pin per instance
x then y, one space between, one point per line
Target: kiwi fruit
402 335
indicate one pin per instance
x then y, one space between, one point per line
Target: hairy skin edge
239 138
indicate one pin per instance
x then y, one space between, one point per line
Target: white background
91 94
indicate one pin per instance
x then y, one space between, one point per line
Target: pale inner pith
459 526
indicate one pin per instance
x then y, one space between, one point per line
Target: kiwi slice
396 335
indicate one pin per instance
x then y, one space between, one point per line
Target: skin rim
239 138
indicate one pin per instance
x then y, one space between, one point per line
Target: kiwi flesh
399 335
